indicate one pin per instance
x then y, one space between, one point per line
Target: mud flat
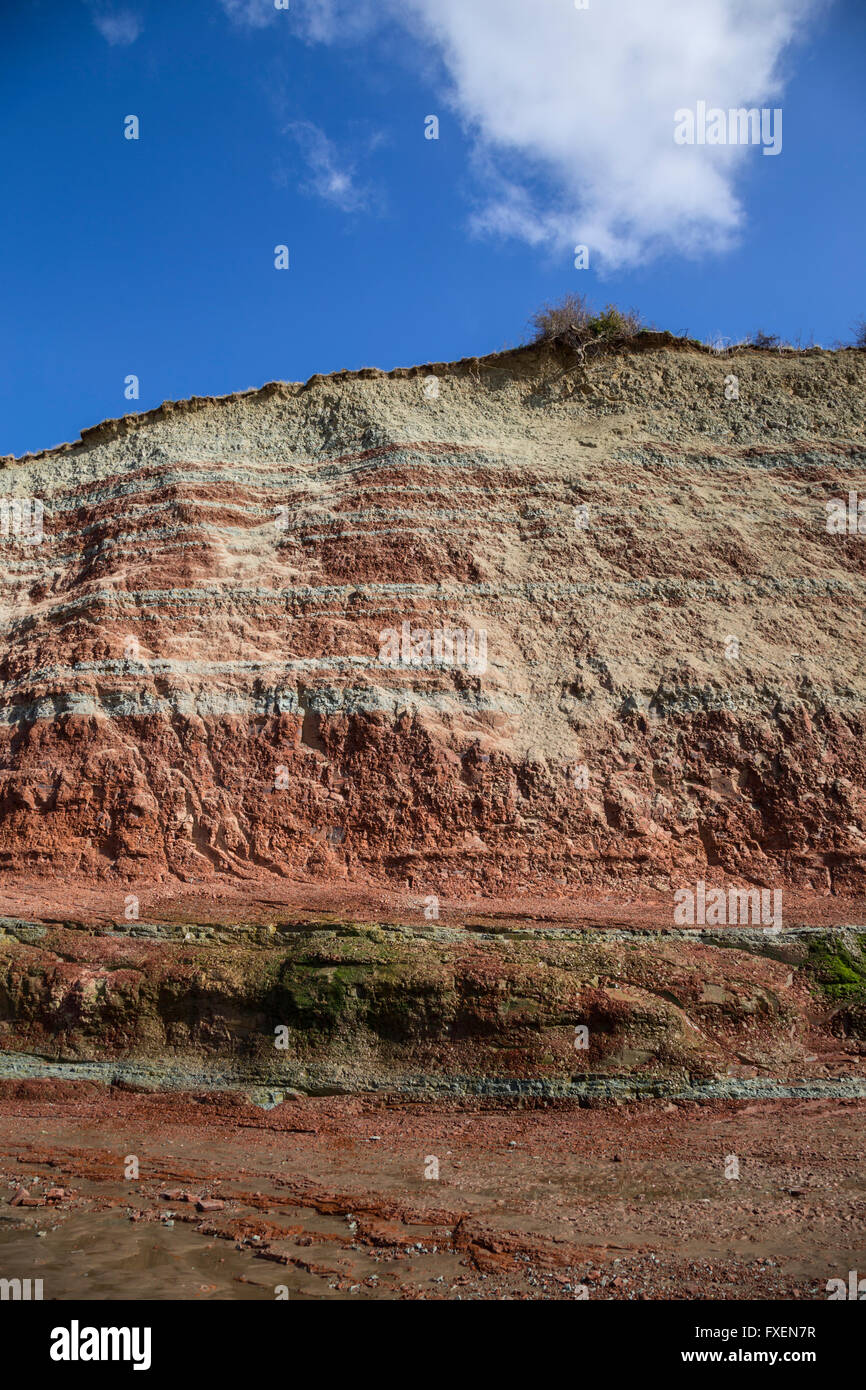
334 1197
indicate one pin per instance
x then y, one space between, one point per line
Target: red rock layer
193 685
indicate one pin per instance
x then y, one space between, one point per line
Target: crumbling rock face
226 655
367 1007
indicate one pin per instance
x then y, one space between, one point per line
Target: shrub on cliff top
764 340
574 314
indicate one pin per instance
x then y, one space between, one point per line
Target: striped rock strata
434 1010
207 660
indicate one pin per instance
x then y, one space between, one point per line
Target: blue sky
261 127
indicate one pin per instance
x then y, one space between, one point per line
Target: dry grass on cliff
574 314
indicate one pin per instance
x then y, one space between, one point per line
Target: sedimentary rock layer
361 1008
204 659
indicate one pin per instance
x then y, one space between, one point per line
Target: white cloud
317 21
340 21
330 176
118 26
571 112
254 14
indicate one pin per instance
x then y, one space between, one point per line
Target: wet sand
338 1197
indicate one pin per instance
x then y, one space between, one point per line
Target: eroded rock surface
192 685
291 918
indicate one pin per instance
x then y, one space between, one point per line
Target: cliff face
515 625
364 1007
